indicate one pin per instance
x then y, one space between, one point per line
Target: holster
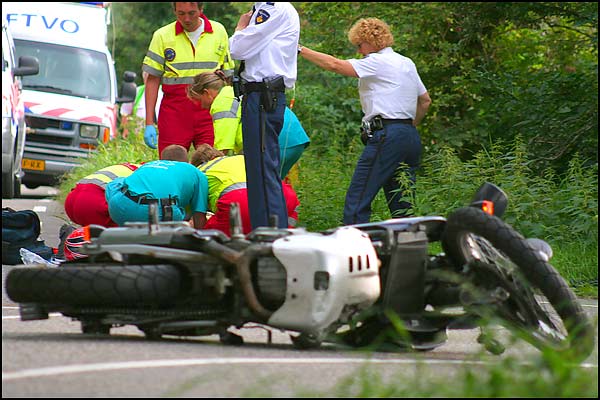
366 132
238 89
268 96
364 136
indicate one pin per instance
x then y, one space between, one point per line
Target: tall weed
131 149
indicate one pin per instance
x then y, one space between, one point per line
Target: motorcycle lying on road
360 285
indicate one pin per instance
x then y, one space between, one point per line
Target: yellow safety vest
226 112
172 56
224 174
109 174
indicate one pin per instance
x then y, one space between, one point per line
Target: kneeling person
86 202
177 185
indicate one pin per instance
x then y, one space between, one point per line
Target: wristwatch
300 47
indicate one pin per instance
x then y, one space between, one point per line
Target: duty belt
378 123
273 84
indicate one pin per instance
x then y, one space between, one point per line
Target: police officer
266 39
177 52
394 101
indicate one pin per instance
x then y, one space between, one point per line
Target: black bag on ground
21 229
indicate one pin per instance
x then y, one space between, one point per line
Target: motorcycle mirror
491 199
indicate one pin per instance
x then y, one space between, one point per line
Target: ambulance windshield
67 70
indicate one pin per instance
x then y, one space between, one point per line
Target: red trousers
182 122
86 205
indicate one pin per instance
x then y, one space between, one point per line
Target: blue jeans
377 167
261 154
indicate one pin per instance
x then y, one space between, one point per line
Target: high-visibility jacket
106 175
224 174
226 112
172 56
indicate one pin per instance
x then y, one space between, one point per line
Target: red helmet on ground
74 243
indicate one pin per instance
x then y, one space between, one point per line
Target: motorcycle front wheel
522 288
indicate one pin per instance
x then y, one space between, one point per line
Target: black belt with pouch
268 89
377 123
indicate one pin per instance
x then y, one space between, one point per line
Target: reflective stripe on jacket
226 112
223 172
105 175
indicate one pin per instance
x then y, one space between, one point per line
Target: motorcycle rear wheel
95 284
501 257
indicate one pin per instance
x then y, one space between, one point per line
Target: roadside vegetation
545 377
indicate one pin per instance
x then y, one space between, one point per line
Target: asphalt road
52 358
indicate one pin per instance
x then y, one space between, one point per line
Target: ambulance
71 104
13 114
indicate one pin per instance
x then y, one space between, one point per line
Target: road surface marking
111 366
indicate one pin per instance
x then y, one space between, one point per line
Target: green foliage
132 150
539 205
548 376
493 70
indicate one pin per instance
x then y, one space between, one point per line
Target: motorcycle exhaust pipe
242 261
243 269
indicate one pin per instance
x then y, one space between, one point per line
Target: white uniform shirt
388 85
269 44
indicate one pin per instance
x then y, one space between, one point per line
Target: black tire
17 188
8 183
95 285
492 248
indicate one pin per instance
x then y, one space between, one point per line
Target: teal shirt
292 133
163 178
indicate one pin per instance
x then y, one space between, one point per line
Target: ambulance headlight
89 131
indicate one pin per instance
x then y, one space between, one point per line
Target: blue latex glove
150 136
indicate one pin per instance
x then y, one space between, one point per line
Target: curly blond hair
373 31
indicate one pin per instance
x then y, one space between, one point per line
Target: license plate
36 165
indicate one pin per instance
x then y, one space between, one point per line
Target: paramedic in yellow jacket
213 91
178 51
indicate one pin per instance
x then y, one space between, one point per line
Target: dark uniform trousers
384 156
261 153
